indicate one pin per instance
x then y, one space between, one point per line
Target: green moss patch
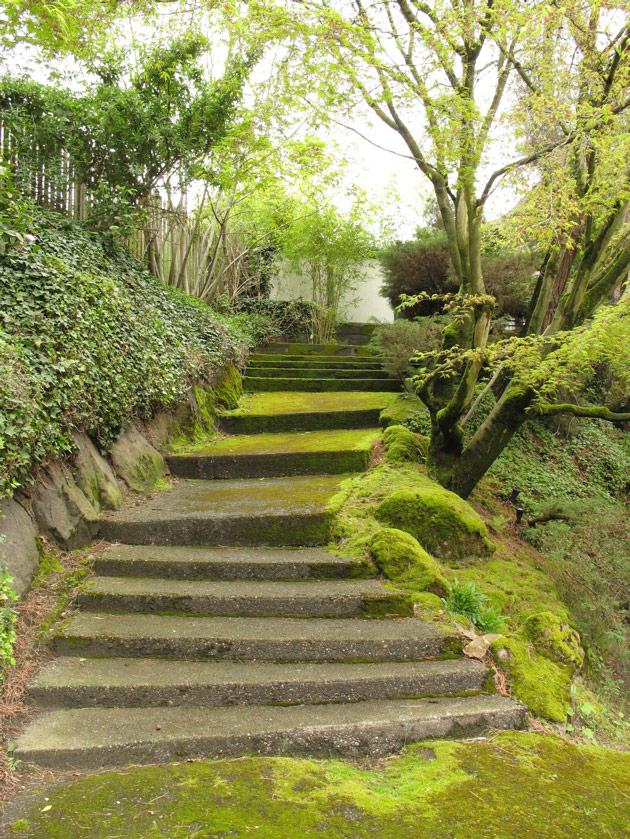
229 389
268 404
541 684
513 786
402 445
308 441
554 639
441 521
404 410
402 559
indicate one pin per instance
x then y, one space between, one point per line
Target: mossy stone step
273 455
332 362
199 563
72 682
273 511
247 639
280 348
304 411
288 371
312 598
98 737
260 384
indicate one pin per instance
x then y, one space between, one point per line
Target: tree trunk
489 440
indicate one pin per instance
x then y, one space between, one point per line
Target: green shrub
419 265
285 320
397 342
89 339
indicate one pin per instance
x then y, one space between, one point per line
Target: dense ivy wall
89 339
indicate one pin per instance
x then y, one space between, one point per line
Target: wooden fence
46 174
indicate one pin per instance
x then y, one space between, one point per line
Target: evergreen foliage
89 339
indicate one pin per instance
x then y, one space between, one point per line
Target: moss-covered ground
511 786
288 402
306 441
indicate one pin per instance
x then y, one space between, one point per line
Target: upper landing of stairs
316 368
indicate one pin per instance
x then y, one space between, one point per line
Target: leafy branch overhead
134 129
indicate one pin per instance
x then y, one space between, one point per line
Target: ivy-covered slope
89 339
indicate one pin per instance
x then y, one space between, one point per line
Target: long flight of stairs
216 624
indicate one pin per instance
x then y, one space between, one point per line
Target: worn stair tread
240 589
90 737
221 499
240 445
251 638
273 404
289 371
308 598
75 682
262 384
301 349
251 563
316 363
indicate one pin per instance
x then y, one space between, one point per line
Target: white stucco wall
362 306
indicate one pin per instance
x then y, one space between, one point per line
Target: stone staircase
216 624
328 368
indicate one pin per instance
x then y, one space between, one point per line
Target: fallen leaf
480 645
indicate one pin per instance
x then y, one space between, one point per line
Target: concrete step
247 639
294 348
355 329
304 598
196 563
316 363
288 371
275 455
274 511
72 682
304 411
89 738
261 384
300 421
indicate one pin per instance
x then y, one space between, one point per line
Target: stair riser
249 649
305 607
226 571
348 741
281 530
283 693
315 421
332 363
281 464
287 371
314 350
260 385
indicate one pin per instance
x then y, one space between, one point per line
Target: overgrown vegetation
572 563
467 600
88 339
8 621
398 342
422 266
